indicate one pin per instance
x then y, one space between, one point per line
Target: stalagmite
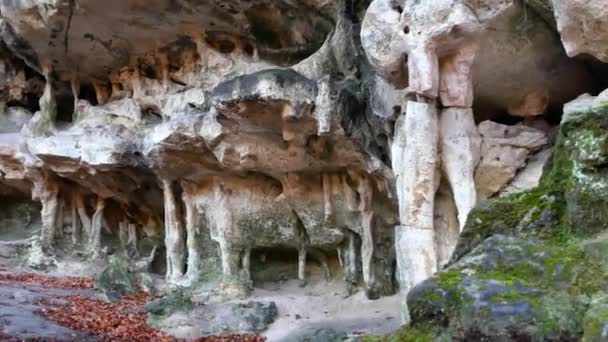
60 218
96 223
132 240
123 233
47 191
246 266
76 226
349 259
82 213
327 197
440 54
174 234
460 149
302 252
192 239
365 195
417 184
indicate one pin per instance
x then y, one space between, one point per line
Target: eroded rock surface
193 139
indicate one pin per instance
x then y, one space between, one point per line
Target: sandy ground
302 310
322 304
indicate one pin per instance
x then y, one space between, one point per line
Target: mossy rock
571 201
177 299
413 333
595 323
511 289
532 266
116 279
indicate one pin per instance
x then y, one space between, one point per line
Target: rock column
415 164
174 234
440 40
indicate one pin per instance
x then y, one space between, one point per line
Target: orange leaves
124 320
50 282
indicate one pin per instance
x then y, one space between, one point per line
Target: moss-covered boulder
116 279
511 288
595 322
532 266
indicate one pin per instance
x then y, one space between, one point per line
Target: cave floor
322 305
303 311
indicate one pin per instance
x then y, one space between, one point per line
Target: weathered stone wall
213 128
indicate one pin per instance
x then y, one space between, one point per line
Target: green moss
410 333
177 299
515 296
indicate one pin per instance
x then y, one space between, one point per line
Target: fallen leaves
123 320
50 282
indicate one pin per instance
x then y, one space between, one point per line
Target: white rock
504 151
583 26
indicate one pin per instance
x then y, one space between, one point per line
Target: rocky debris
115 280
326 335
504 150
529 177
217 319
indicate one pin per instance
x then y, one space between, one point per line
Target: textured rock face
582 26
451 58
351 133
528 266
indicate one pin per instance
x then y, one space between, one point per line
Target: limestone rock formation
182 145
582 26
530 265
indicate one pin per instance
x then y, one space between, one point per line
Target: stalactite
324 106
101 91
322 259
460 150
76 226
75 86
163 60
456 78
132 240
302 252
327 189
423 68
123 233
85 220
365 192
174 234
60 218
350 196
96 223
46 190
246 266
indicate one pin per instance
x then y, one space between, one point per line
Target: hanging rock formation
197 138
432 51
